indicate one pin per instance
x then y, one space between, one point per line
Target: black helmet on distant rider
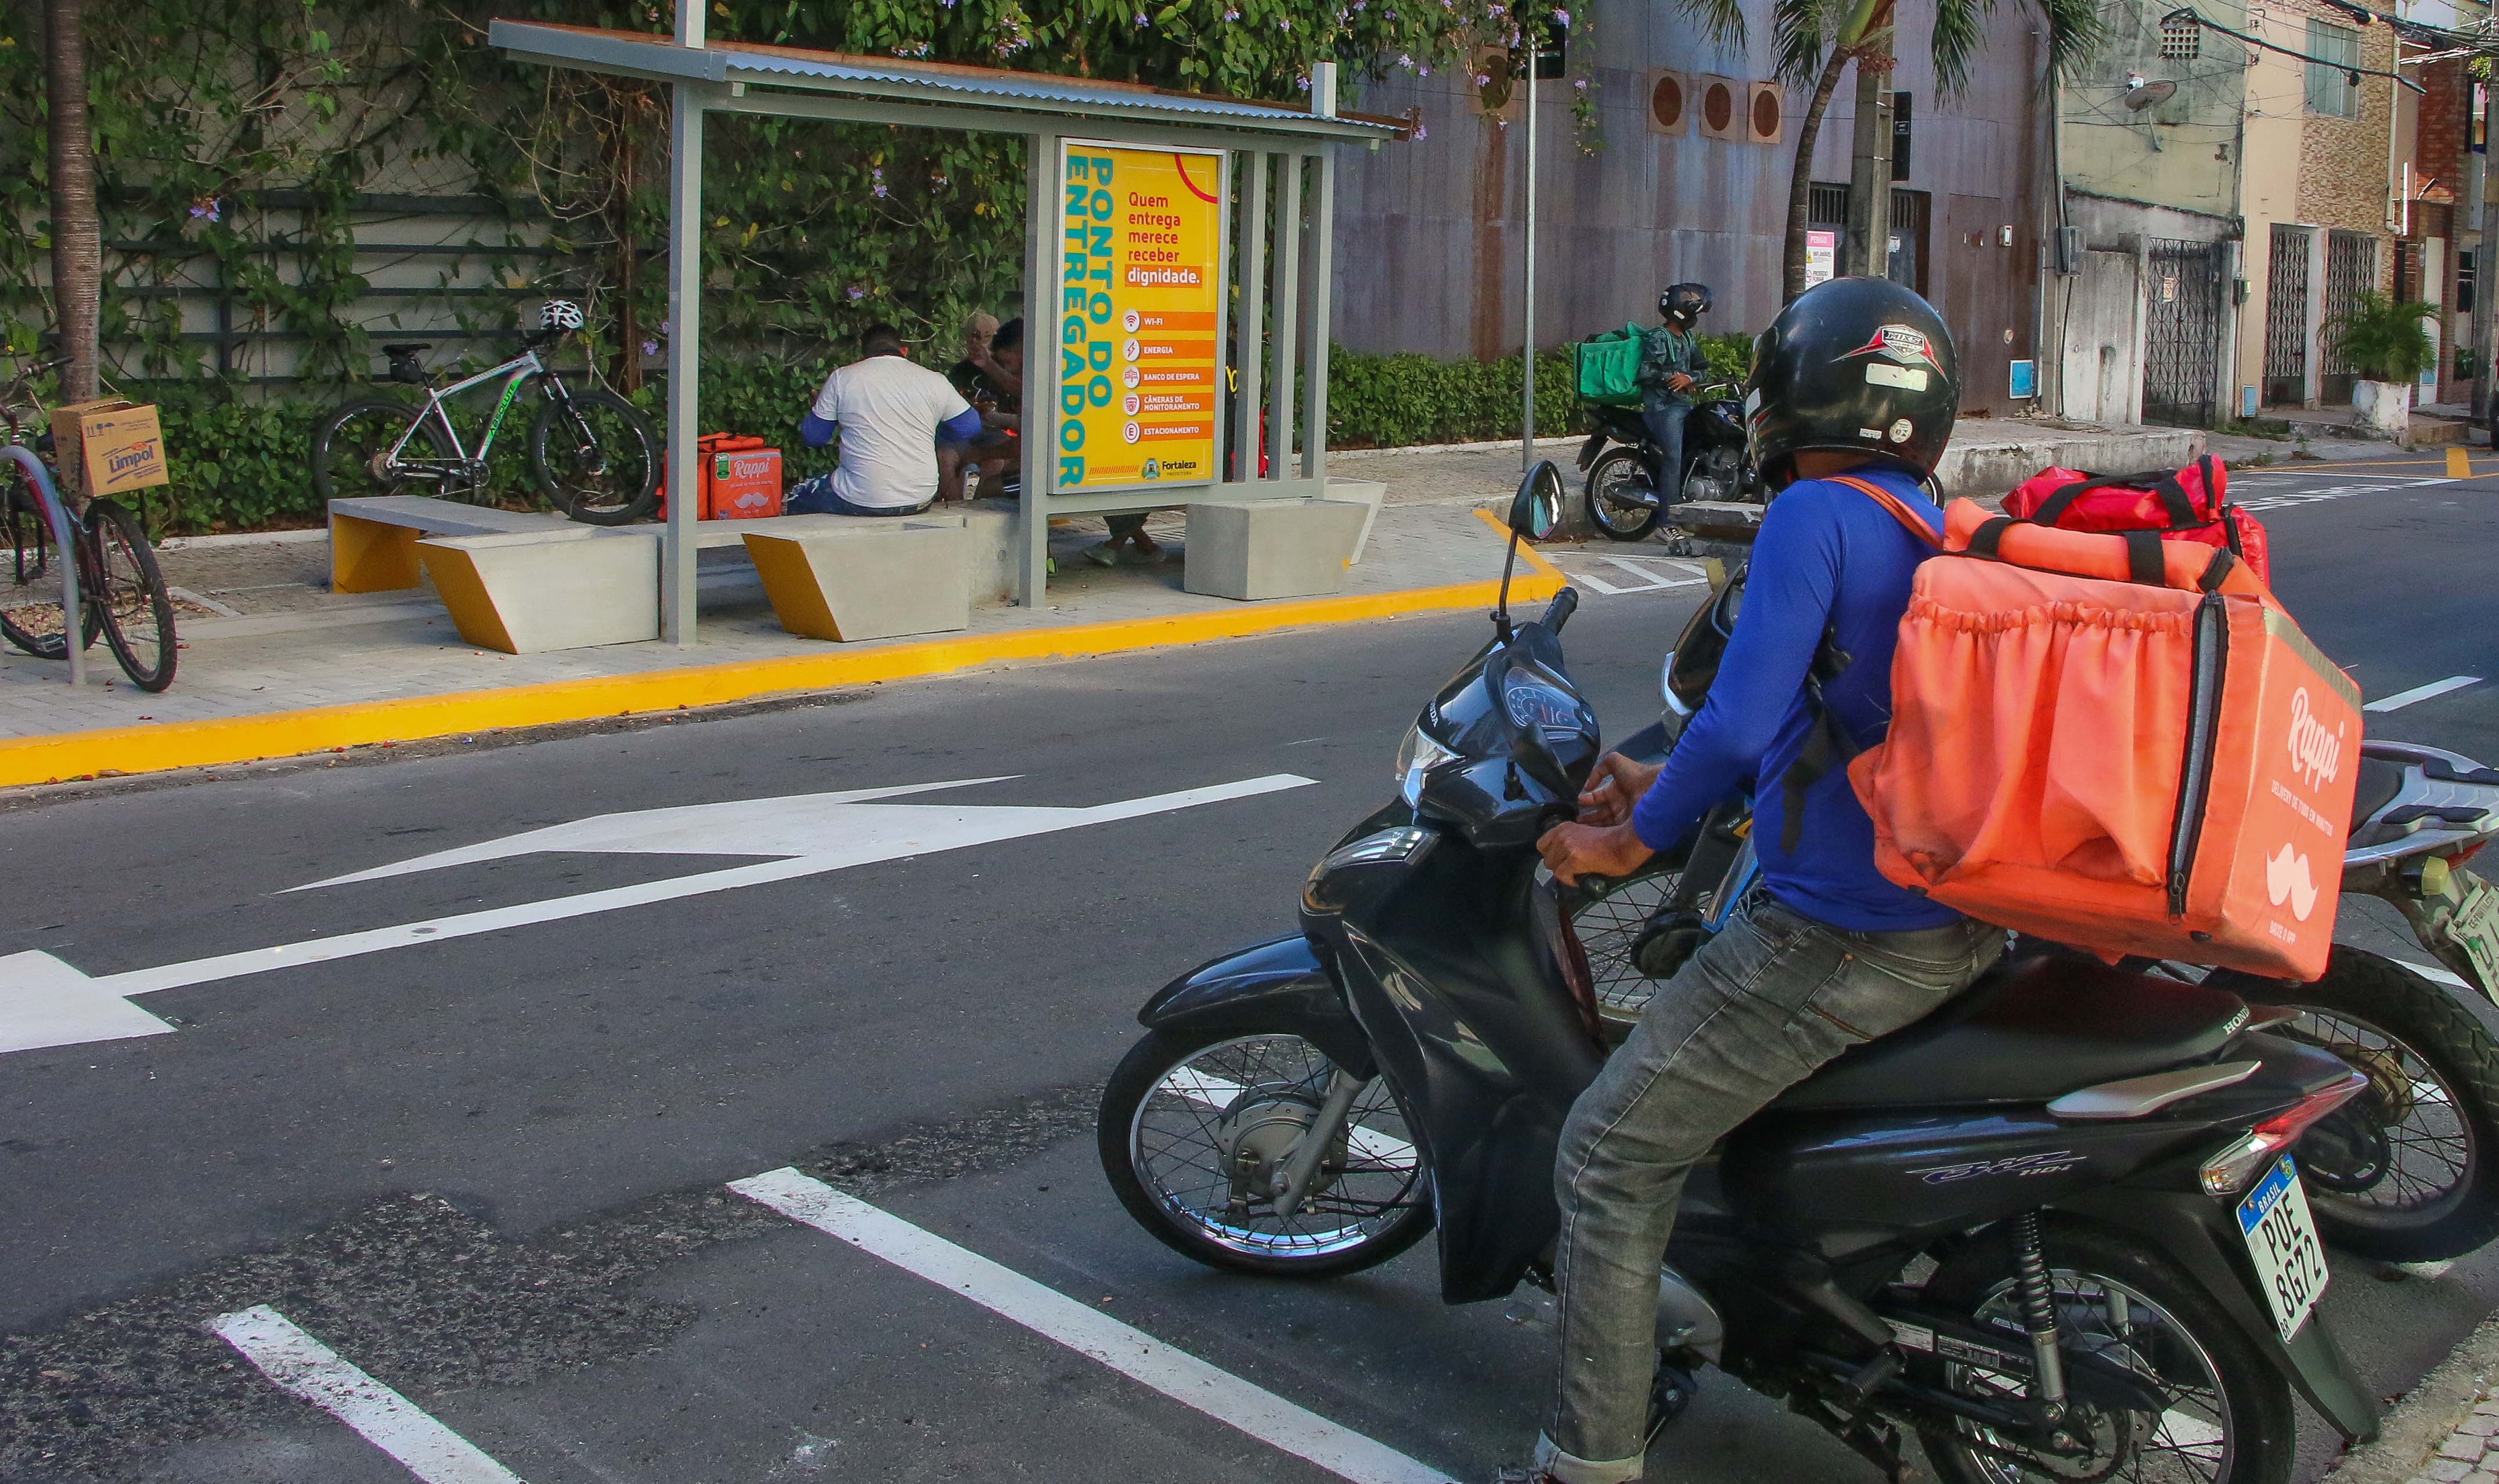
1690 300
1857 366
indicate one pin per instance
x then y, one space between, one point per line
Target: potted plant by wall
2388 347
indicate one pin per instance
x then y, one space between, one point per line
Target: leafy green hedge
243 465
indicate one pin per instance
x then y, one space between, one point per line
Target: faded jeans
1755 1011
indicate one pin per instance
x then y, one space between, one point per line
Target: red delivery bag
2183 504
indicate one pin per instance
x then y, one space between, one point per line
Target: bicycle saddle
405 349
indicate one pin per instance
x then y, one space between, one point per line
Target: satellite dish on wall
2144 95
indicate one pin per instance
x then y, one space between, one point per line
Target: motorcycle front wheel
2227 1416
2402 1173
1616 484
1195 1126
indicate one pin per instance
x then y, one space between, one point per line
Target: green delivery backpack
1608 366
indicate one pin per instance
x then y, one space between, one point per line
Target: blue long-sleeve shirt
1828 558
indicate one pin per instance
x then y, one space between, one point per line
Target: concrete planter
2384 408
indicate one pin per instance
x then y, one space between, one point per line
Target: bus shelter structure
1274 264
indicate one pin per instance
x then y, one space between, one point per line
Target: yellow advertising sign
1140 295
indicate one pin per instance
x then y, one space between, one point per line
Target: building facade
1693 145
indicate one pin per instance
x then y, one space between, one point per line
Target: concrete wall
2181 152
1429 233
2103 349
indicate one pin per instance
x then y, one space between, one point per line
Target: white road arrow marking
44 1002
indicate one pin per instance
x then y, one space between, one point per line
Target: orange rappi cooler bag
2117 742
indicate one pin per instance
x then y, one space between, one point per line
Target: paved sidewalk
298 668
2446 1431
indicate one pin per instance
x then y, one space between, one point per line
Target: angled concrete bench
852 577
523 592
372 539
1249 549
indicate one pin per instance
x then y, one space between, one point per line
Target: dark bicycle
122 592
592 454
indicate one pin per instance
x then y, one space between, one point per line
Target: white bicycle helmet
558 315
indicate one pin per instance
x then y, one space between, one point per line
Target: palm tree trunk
1800 179
78 253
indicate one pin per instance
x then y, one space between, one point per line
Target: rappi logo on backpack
2315 752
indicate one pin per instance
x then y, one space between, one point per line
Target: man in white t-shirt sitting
890 414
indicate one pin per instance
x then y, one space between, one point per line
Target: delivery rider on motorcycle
1670 365
1855 381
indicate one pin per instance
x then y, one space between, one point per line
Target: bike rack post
64 537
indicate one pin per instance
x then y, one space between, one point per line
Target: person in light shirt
890 414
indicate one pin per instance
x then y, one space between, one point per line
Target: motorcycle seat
2380 781
2027 1032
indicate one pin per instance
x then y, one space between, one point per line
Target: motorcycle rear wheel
1190 1117
2229 1418
2404 1173
1615 469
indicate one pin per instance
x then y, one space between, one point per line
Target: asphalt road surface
457 1141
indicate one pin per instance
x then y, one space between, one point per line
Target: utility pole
1870 176
2485 259
1527 413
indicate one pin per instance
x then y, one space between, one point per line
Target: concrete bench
1251 549
372 539
852 577
523 592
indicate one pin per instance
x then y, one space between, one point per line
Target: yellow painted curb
2458 466
158 747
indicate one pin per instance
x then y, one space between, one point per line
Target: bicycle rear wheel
351 452
130 597
599 464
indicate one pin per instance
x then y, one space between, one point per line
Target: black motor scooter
2055 1230
1620 463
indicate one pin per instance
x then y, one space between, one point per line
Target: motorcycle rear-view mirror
1538 506
1534 512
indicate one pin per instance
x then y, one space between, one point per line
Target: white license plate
2474 928
2282 1240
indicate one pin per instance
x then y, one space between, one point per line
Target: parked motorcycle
1620 462
2407 1171
2056 1231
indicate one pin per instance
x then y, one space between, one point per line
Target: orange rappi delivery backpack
2113 741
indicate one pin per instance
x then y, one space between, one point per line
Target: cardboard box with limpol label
110 446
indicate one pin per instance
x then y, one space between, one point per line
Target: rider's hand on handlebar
1570 850
1679 382
1615 784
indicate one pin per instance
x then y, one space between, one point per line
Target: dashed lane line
304 1367
1131 1351
2435 688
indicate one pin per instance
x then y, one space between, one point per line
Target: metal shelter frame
1288 153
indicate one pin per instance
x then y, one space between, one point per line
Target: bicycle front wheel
30 585
596 457
352 452
130 597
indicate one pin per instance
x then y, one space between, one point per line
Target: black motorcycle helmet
1691 299
1853 366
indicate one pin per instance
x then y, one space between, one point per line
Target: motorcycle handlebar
1565 603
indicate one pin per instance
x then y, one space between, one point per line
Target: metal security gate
2285 343
2350 269
2182 330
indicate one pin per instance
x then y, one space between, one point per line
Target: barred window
2333 89
2180 38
